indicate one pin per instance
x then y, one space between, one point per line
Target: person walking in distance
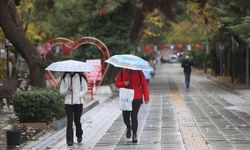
73 87
186 64
136 80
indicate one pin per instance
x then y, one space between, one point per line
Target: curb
90 106
227 87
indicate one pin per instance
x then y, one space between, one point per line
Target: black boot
70 143
134 138
128 134
79 140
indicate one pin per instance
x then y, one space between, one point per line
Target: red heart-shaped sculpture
68 47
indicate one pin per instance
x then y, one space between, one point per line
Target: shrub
38 105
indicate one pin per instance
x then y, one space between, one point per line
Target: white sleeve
84 88
63 88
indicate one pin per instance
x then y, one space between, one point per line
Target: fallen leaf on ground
156 142
242 125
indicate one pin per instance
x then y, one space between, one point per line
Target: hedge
38 105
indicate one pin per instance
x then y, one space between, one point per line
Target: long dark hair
79 73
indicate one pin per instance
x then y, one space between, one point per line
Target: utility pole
231 59
247 66
206 53
206 26
221 49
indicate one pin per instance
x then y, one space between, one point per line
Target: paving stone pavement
201 117
205 116
210 104
95 123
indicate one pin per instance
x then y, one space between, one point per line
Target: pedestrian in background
136 80
73 87
186 64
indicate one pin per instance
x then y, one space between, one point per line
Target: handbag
126 97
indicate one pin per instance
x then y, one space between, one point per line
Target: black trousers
133 115
73 113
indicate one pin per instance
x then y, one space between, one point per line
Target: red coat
137 80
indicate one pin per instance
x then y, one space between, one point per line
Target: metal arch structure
46 47
72 45
101 46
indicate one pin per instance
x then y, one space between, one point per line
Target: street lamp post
221 48
247 66
7 44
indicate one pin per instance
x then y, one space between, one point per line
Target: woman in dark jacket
136 80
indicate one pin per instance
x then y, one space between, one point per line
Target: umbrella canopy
129 61
70 66
148 73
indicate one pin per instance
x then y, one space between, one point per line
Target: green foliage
74 19
191 27
155 28
235 16
84 52
242 29
35 26
197 24
38 105
198 58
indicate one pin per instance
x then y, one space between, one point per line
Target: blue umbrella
148 73
129 61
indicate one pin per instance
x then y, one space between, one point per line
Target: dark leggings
73 112
133 114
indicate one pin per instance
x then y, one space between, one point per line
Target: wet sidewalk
205 116
103 93
56 139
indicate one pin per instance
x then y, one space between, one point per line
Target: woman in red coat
136 80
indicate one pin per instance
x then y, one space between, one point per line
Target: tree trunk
11 26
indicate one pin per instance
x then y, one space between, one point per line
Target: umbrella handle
71 84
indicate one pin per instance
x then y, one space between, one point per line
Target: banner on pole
97 74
